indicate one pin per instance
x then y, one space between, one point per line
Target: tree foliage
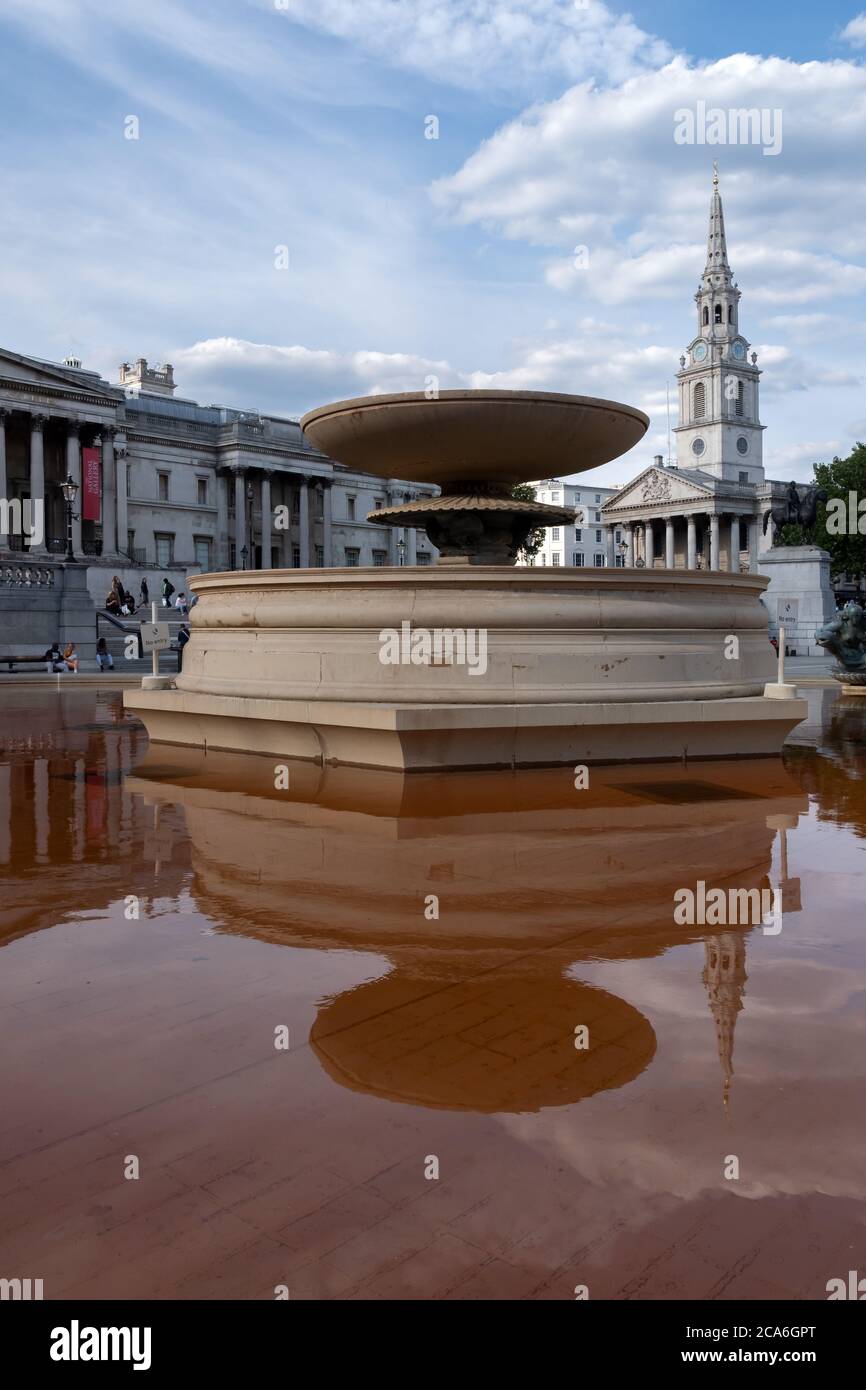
524 492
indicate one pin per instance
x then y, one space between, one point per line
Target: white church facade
705 511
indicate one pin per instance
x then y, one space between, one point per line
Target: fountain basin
557 667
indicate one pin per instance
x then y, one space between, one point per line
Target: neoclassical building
705 511
165 481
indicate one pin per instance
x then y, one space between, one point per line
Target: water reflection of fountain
529 879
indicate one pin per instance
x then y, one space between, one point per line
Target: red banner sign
91 491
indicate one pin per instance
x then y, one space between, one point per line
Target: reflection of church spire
724 977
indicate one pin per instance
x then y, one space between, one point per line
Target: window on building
578 534
718 315
556 560
296 557
578 559
276 557
353 557
202 546
378 503
597 497
598 561
232 554
619 562
598 516
741 398
423 557
318 502
706 315
201 491
554 533
577 497
164 543
744 477
320 557
162 486
730 313
129 480
617 536
380 559
350 508
554 497
699 401
598 535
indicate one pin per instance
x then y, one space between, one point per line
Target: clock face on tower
739 351
700 352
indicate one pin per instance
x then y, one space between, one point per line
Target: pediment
45 376
657 486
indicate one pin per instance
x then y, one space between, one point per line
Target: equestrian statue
796 510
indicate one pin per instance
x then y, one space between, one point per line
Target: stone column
73 470
670 551
609 548
109 493
691 543
221 557
327 525
121 500
734 546
267 520
753 544
304 524
37 472
4 415
240 517
714 542
649 545
629 545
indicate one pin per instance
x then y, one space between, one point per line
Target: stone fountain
476 662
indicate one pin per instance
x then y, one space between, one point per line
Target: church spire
718 296
717 270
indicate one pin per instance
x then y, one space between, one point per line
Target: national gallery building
164 481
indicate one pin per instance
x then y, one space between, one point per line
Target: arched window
741 399
719 308
706 315
699 401
730 313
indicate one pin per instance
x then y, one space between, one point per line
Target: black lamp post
250 525
70 492
401 550
244 554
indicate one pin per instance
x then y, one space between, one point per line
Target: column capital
5 412
73 427
38 421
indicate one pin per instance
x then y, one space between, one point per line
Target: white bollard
155 655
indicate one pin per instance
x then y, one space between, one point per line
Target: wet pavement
439 1037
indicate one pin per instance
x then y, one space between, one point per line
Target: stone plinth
799 596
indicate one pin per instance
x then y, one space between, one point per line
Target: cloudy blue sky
303 124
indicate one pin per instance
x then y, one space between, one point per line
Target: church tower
719 430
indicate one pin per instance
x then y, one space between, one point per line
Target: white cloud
855 31
504 44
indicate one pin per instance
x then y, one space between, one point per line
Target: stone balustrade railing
26 577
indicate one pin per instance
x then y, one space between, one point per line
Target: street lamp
244 554
252 550
70 492
623 551
401 550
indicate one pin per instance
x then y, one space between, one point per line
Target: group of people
65 660
121 602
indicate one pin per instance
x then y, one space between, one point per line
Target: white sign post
155 638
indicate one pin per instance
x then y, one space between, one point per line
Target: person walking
182 639
167 591
144 594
